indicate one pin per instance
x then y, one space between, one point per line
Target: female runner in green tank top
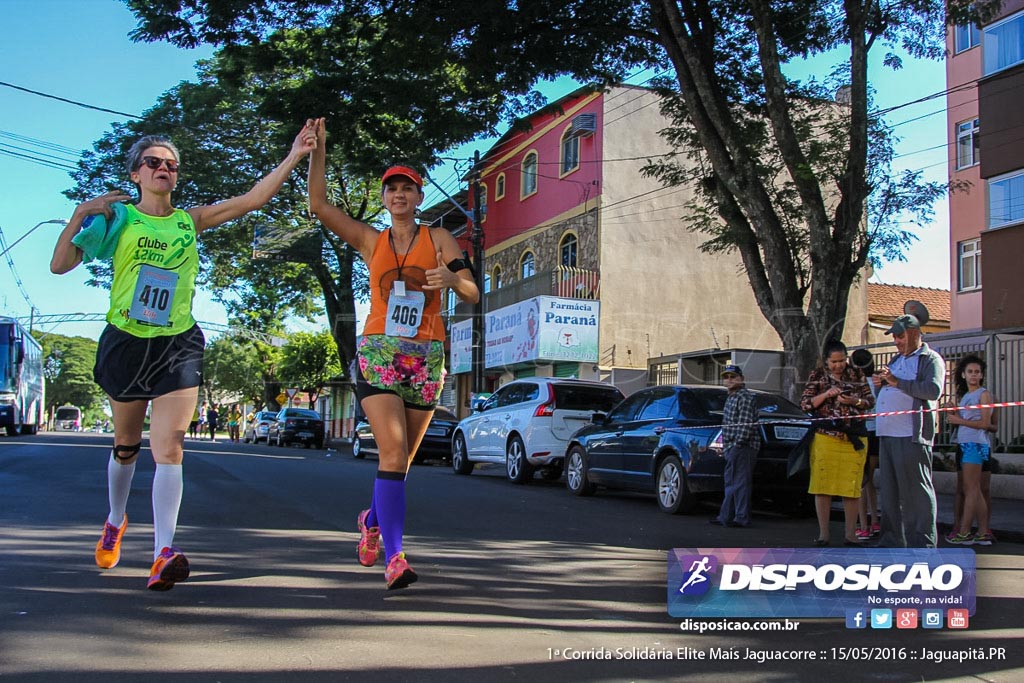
152 349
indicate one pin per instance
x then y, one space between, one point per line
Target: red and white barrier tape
860 416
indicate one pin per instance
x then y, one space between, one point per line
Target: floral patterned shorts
413 371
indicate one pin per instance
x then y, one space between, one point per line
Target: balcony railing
563 281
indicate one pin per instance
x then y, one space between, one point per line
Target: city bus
22 384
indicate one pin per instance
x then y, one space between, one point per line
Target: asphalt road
516 582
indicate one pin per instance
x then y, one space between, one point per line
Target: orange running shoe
399 574
169 567
368 549
108 548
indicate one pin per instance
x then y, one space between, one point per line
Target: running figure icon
697 571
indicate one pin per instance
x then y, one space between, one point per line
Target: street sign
281 398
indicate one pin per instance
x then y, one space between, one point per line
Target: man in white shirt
913 381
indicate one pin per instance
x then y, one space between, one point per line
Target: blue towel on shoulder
98 237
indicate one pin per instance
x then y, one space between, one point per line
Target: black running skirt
131 368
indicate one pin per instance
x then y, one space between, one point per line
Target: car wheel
357 448
245 439
674 495
460 457
576 472
280 441
516 467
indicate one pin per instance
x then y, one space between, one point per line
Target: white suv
526 424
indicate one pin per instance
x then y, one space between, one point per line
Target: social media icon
856 618
906 618
881 618
931 618
957 618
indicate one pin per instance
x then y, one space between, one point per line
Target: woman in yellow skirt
837 391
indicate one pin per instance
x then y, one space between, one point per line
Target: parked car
67 419
258 428
436 444
526 424
296 425
667 440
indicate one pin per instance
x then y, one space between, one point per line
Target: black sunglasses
155 162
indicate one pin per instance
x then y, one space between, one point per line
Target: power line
68 101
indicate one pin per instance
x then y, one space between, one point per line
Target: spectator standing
911 382
741 440
193 426
869 524
212 418
838 449
973 452
234 419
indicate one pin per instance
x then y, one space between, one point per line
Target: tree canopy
308 361
805 199
67 367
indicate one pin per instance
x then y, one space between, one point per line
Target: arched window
496 277
529 174
499 187
487 282
567 249
570 152
527 267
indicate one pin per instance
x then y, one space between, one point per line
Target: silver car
258 428
526 425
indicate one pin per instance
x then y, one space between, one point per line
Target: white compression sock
119 485
167 487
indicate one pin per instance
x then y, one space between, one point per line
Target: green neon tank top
155 267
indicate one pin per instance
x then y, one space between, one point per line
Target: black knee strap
131 451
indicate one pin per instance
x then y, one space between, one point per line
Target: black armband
458 264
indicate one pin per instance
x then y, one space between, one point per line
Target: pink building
985 79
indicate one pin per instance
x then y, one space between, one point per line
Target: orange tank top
386 266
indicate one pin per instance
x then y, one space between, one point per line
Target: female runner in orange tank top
401 355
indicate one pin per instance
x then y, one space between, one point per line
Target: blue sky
80 50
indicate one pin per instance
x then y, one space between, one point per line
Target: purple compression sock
389 501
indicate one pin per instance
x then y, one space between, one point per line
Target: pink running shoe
863 534
169 567
369 547
399 574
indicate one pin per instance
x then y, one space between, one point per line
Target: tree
235 367
67 366
308 361
804 200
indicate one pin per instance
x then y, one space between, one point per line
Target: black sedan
667 440
436 445
296 425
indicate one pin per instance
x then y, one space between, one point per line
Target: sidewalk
1007 505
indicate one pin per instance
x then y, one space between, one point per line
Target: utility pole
478 265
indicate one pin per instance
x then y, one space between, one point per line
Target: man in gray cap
741 439
913 381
